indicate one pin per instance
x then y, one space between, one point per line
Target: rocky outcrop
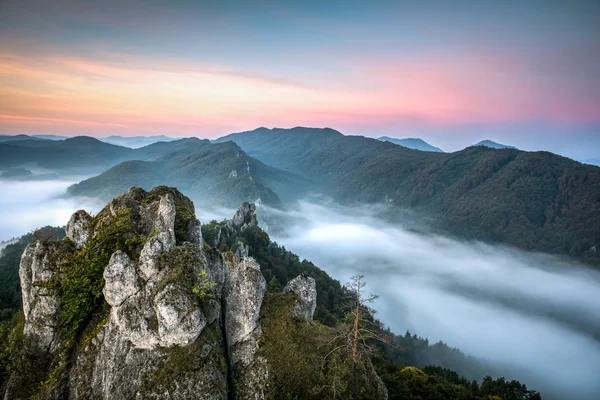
77 228
305 289
245 288
243 219
175 319
41 305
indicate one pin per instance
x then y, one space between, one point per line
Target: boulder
305 288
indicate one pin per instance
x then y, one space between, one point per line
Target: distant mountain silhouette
135 142
411 143
14 138
493 145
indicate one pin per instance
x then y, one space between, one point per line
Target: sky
452 73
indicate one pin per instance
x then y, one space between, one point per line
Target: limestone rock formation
244 217
78 227
134 305
245 288
305 288
40 304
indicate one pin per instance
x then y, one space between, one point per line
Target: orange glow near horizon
132 95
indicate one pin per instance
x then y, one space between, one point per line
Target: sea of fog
28 205
536 316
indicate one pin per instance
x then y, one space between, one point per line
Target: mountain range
533 200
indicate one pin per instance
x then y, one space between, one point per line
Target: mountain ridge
533 200
412 143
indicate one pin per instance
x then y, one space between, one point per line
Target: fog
535 316
28 205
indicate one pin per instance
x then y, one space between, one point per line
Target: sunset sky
451 72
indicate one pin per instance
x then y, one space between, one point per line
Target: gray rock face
244 217
305 288
244 291
150 310
40 306
142 348
77 227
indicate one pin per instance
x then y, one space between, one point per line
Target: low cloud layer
28 205
536 316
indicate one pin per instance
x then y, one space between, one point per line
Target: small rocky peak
245 217
41 306
244 291
163 298
78 227
305 288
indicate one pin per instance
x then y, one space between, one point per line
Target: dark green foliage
273 285
405 383
506 390
307 361
414 350
210 232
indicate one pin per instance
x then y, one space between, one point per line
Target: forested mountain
533 200
411 143
216 173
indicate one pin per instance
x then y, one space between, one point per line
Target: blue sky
525 73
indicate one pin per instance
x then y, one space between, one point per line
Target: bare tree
360 332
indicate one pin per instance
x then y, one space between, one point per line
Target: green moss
184 209
182 360
80 285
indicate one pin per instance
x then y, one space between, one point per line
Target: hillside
533 200
411 143
137 302
211 173
79 155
